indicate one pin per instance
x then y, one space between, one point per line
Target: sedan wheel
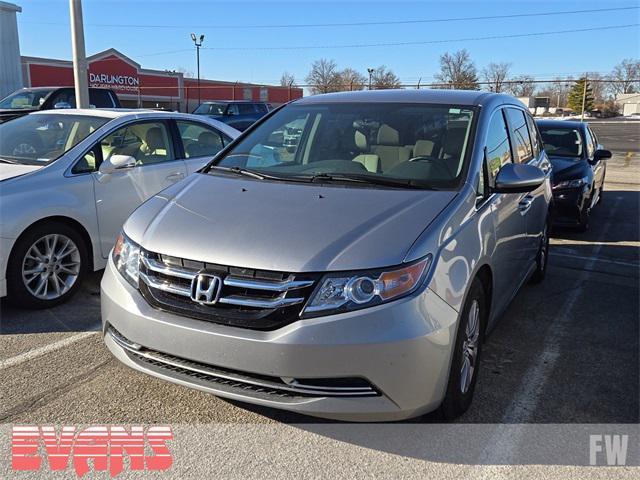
51 266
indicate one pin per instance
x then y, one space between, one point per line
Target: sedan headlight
339 292
577 183
126 257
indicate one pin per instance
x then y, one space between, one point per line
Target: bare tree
350 79
624 77
383 78
522 86
597 86
287 79
495 74
323 77
458 71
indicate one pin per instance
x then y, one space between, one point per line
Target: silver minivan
353 276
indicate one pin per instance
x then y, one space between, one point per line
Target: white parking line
38 352
593 258
526 399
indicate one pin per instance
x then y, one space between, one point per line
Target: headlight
339 292
126 257
579 182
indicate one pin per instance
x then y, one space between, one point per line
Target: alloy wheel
470 346
51 266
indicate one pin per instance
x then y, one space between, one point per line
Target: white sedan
70 178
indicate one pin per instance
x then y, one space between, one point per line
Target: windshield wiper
5 160
253 174
367 179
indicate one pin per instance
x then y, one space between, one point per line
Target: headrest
208 138
154 138
423 148
454 140
361 141
388 135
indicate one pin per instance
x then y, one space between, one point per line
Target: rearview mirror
116 162
602 154
518 178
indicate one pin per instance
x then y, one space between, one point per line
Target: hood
10 170
285 227
568 168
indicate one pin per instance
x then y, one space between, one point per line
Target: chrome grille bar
172 271
269 286
165 286
278 302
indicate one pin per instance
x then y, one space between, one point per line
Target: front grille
234 381
255 299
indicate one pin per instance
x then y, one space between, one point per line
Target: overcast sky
156 34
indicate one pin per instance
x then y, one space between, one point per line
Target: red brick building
140 87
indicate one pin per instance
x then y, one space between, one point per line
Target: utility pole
584 97
370 70
198 44
80 71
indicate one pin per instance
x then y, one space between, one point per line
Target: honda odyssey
353 276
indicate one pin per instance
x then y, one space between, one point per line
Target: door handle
174 177
525 204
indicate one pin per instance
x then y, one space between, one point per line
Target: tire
543 256
460 387
43 280
601 194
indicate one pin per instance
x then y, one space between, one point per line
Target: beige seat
423 148
452 149
388 148
370 161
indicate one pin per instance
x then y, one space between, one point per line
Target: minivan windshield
402 145
24 99
40 138
561 142
211 109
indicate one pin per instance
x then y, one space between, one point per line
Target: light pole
198 43
79 58
370 70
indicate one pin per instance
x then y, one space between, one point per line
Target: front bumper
403 349
568 203
6 245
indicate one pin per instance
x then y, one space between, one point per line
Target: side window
232 109
199 140
535 137
64 96
591 144
497 146
147 142
520 135
246 108
88 163
100 99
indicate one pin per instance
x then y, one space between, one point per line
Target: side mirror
602 154
518 178
60 105
116 162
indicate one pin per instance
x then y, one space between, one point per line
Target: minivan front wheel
466 356
46 266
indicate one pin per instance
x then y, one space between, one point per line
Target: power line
427 42
354 24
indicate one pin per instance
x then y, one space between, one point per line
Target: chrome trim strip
259 302
165 286
172 271
193 367
266 284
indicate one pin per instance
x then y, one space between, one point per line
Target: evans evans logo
105 445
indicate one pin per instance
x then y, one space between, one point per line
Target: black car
239 114
578 169
27 100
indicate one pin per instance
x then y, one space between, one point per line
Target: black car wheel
543 256
465 363
584 218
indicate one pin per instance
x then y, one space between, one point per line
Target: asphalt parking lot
566 352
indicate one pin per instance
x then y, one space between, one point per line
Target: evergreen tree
575 96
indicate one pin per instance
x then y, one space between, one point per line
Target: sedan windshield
390 144
561 142
38 139
24 99
211 109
